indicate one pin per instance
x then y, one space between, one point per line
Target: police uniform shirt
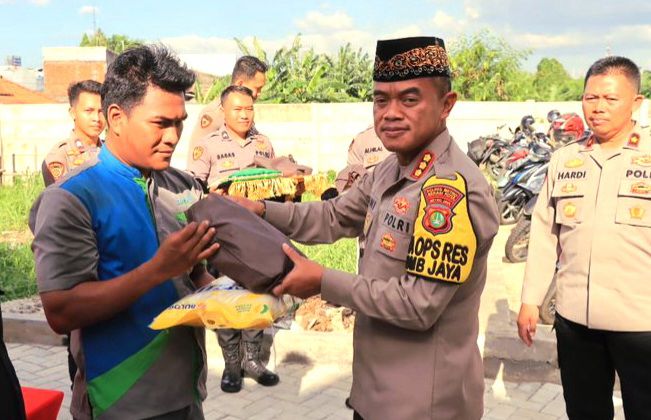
593 217
367 150
100 221
429 227
65 156
217 156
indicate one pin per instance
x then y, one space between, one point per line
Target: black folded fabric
251 248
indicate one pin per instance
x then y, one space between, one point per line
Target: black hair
133 71
246 68
442 84
615 65
77 88
235 89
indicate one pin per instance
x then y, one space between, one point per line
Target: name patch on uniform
373 149
371 203
396 223
638 173
444 243
225 156
264 154
572 175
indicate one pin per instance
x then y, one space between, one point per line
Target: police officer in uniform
232 147
429 219
367 150
249 72
83 142
592 223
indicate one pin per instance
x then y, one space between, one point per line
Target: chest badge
636 213
228 164
569 188
400 205
634 140
644 160
56 169
388 242
569 210
372 160
574 163
641 188
439 211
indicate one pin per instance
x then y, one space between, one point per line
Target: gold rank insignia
574 163
569 188
634 140
426 160
205 121
387 242
228 164
197 153
641 188
56 169
636 212
569 210
644 160
373 159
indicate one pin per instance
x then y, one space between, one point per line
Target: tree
116 42
646 84
486 68
553 83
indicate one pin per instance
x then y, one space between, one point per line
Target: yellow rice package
225 304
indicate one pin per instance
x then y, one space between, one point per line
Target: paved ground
315 368
310 388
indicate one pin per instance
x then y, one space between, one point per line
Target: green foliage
17 277
485 67
553 83
116 42
16 200
300 75
213 91
646 84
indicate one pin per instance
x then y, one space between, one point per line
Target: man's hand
527 320
255 206
305 278
183 249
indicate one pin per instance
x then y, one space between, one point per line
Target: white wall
317 135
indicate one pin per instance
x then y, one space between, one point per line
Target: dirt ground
315 314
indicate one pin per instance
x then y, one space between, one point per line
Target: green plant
17 277
16 200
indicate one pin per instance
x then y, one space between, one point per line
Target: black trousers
588 359
11 398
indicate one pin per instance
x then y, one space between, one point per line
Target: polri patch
444 243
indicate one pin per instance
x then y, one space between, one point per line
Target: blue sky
575 32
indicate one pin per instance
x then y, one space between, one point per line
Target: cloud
40 2
88 10
316 21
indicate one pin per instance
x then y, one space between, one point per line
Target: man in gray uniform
429 219
234 146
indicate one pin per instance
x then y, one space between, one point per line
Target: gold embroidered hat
410 58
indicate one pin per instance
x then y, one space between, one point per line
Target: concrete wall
317 135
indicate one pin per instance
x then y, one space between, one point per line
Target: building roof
11 93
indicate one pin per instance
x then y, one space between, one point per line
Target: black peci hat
410 58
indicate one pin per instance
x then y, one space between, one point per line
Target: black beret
410 58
